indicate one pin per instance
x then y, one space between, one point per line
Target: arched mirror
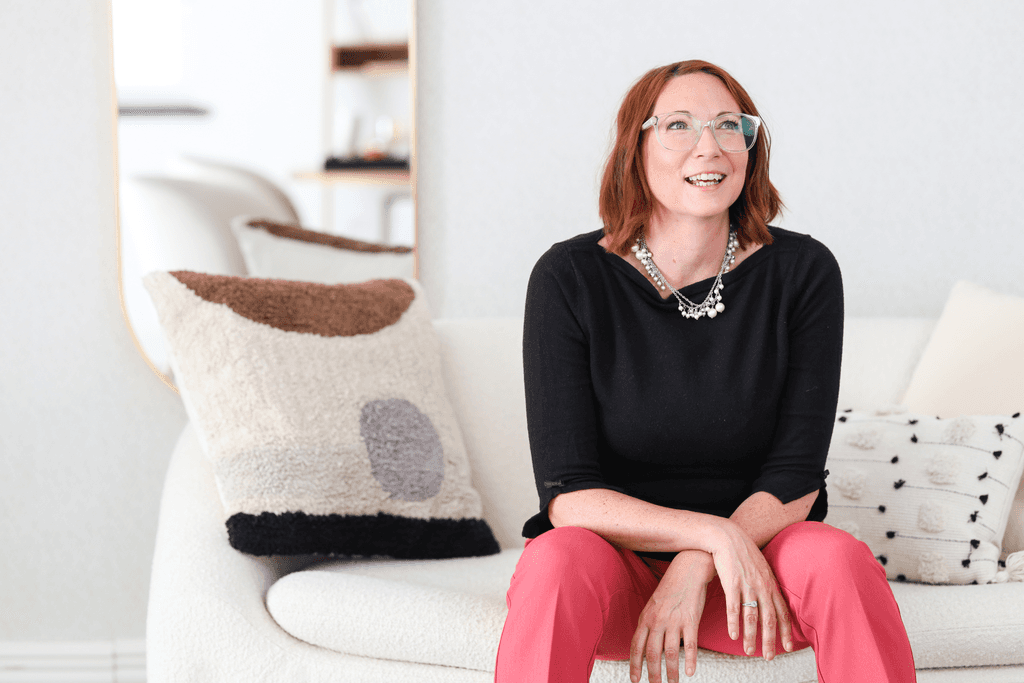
263 139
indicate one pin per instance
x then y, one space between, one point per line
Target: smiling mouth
705 179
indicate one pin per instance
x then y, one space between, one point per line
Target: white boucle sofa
215 613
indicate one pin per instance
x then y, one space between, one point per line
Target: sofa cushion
290 252
447 612
323 411
930 497
451 612
953 626
973 364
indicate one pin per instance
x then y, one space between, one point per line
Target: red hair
626 203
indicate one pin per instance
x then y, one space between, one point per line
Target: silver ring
752 603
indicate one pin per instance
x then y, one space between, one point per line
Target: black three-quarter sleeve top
623 393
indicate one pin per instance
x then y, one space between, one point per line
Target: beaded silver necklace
712 304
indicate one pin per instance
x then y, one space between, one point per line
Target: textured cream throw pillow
324 413
930 497
974 361
291 252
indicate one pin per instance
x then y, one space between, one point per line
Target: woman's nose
706 143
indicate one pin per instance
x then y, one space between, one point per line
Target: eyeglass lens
734 132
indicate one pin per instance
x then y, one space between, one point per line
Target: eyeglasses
680 132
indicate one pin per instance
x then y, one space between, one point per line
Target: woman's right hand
746 577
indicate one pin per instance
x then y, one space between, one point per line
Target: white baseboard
104 661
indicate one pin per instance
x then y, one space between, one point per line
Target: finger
750 619
732 611
672 638
785 622
655 643
768 624
690 647
636 653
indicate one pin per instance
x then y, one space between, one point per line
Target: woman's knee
564 555
816 547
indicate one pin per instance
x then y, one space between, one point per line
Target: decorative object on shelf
369 57
366 163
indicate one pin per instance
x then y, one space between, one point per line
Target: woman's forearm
637 525
762 515
634 524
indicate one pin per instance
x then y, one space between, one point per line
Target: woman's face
675 197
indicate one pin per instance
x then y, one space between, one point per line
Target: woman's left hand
672 613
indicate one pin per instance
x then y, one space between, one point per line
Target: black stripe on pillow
297 533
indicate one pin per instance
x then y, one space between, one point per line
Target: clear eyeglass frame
653 122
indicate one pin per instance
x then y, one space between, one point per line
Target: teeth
705 179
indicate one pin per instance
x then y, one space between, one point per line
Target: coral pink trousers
575 598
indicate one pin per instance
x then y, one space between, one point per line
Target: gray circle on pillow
405 452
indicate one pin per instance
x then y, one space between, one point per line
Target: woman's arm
637 525
762 515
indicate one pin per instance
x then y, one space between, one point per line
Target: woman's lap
795 554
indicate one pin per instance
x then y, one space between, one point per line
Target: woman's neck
688 251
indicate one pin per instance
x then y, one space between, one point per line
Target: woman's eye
729 125
677 125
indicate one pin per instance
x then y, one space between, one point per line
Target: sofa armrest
206 618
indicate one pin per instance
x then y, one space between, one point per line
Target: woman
682 373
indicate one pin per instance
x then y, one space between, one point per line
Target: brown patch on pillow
326 310
338 242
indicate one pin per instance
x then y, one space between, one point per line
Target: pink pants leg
575 598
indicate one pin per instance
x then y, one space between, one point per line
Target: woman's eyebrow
683 111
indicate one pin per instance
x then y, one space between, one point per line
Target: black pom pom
824 474
974 583
999 428
897 484
881 508
1015 415
966 563
982 476
975 543
901 577
983 498
974 516
912 422
842 418
914 438
895 459
890 534
997 454
883 559
1002 563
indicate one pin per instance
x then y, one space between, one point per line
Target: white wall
877 109
85 428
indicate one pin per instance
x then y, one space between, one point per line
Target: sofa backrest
483 371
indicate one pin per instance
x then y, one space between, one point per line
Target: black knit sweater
623 393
